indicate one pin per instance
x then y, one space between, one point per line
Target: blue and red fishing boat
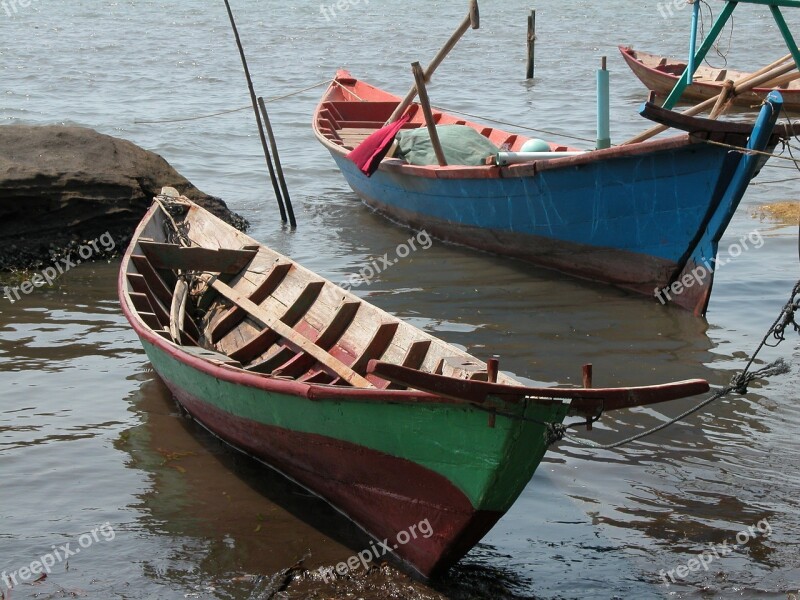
646 217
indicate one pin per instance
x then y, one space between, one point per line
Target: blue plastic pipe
603 111
691 67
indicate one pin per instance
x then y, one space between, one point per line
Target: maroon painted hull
353 479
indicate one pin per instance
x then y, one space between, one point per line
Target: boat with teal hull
637 216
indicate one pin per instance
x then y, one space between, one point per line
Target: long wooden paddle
586 402
473 20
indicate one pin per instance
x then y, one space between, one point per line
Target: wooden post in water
531 44
419 76
261 135
492 369
274 145
587 376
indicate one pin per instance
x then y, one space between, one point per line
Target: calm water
89 439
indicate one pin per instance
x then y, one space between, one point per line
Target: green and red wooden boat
387 423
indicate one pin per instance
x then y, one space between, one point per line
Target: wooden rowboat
645 217
660 74
313 381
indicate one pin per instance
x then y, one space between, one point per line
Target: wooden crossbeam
236 315
291 336
196 258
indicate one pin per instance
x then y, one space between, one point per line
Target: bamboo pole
722 99
261 135
471 20
745 84
419 77
278 167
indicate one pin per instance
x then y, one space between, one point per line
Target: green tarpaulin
462 145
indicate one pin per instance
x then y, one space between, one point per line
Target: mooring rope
740 382
233 110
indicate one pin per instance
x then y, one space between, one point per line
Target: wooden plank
207 354
291 336
327 338
585 402
266 338
151 276
140 285
271 363
236 315
196 258
142 303
413 359
375 348
149 319
320 377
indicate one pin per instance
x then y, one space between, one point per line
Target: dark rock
61 187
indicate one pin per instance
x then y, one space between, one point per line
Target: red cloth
369 153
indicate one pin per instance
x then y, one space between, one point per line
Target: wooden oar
585 402
472 20
745 84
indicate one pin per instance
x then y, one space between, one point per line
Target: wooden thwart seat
173 257
353 136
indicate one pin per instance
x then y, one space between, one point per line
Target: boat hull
662 84
627 221
388 467
643 216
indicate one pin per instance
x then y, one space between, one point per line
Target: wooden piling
276 157
531 44
261 135
492 369
422 91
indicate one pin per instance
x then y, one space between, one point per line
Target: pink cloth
369 153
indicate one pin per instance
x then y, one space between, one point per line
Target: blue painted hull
644 217
627 221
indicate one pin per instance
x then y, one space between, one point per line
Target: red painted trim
368 93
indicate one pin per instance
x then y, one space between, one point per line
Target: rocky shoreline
63 188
